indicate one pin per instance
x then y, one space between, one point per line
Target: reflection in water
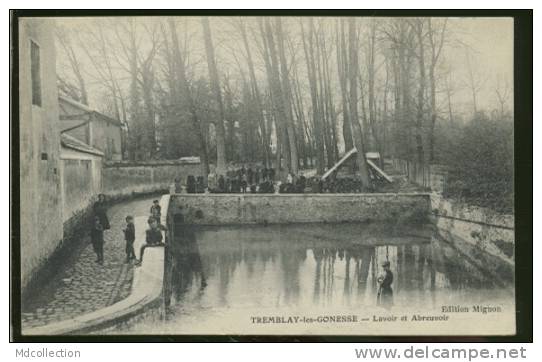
307 267
290 264
184 268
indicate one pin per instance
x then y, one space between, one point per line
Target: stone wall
223 209
460 223
81 182
122 179
40 203
480 227
84 176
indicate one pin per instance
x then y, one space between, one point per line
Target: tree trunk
342 66
324 110
421 93
353 66
371 84
436 48
308 47
135 123
273 77
287 99
215 85
263 127
230 121
185 96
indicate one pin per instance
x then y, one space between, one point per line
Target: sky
492 43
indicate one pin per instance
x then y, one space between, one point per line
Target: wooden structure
369 156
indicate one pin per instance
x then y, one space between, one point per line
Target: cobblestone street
82 285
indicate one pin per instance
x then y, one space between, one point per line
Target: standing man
100 211
221 184
250 176
385 292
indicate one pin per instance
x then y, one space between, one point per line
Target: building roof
86 109
73 143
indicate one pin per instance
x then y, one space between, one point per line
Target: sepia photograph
266 175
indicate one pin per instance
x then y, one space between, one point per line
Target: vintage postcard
266 175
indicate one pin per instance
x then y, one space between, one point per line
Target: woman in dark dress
100 211
385 292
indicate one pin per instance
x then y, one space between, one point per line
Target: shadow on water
306 266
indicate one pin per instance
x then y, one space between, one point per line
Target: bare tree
309 50
371 75
241 26
100 53
475 81
342 68
436 36
400 36
186 96
503 93
65 41
215 85
286 92
449 90
418 25
356 131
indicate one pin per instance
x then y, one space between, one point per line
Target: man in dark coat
315 185
272 174
385 292
221 184
300 185
250 176
100 211
191 184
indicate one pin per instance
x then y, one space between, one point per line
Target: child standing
97 239
129 236
156 211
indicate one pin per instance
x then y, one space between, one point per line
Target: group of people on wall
246 179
